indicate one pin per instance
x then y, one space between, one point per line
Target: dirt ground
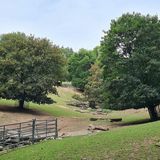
66 126
13 115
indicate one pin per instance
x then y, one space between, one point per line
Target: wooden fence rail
25 133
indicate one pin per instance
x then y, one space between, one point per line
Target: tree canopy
78 67
67 53
94 87
29 68
131 60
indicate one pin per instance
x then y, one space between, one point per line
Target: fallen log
115 119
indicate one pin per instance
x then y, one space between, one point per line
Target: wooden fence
19 134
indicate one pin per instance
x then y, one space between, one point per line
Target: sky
69 23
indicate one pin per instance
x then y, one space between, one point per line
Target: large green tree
67 53
78 67
29 68
94 87
131 59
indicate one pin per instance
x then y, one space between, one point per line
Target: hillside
122 141
136 142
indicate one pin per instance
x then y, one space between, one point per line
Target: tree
29 68
67 53
131 59
93 89
78 68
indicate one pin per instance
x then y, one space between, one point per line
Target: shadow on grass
135 122
12 109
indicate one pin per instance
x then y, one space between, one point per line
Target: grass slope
60 108
135 142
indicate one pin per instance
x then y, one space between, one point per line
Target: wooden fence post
33 130
19 133
56 128
46 128
4 136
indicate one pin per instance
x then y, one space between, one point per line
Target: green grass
58 109
132 117
61 109
4 102
136 142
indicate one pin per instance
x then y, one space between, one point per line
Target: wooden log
115 119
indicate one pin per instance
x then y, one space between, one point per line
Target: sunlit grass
60 108
136 142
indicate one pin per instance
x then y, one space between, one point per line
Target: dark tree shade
131 59
29 68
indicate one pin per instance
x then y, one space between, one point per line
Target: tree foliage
67 53
131 59
78 68
94 87
29 68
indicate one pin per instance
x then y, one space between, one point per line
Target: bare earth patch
13 115
66 126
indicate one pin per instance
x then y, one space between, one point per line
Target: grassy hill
58 109
61 109
129 142
135 142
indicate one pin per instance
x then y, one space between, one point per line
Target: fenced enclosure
25 133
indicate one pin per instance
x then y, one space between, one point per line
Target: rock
157 144
24 138
62 135
99 110
79 104
26 143
91 127
13 146
99 128
11 141
82 111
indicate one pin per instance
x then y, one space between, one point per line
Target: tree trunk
92 104
21 104
153 113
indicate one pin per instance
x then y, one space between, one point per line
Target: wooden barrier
25 133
